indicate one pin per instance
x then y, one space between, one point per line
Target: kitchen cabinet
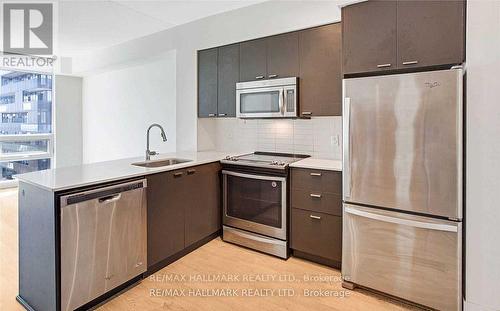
369 38
316 215
283 56
317 180
227 77
253 60
179 217
324 202
430 33
387 35
202 209
317 234
268 58
183 212
166 198
314 55
207 83
320 62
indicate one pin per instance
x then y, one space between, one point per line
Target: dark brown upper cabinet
430 33
253 60
369 36
320 59
314 55
228 76
207 83
268 58
283 56
386 35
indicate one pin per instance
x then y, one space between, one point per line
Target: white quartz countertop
319 164
94 173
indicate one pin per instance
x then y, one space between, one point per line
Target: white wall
238 25
68 120
320 137
483 154
119 105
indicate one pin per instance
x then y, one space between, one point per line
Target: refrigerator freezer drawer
412 257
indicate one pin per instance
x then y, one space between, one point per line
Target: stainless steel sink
160 163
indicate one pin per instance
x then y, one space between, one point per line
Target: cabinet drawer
317 234
317 201
317 180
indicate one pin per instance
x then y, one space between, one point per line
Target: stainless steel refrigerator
402 179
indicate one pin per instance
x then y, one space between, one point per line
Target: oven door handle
251 176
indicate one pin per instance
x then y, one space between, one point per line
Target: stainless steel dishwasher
103 241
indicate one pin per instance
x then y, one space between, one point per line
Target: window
20 117
7 99
26 138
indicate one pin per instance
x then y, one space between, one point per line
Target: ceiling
86 25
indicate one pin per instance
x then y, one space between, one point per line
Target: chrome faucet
149 153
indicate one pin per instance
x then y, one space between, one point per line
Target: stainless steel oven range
255 201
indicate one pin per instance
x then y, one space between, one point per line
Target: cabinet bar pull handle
383 65
272 76
179 174
211 114
315 195
222 114
315 174
315 217
191 172
413 62
259 77
306 113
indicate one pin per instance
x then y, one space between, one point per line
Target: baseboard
24 303
165 262
318 259
99 301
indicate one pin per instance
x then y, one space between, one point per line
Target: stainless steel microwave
276 98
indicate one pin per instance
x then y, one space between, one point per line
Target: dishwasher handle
110 198
103 195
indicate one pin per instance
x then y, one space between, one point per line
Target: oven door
255 203
266 102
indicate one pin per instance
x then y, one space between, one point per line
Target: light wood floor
215 259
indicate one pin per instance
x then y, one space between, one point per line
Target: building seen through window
26 122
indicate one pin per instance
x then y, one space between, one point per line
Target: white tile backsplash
319 137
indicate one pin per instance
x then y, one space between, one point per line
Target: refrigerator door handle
401 221
346 129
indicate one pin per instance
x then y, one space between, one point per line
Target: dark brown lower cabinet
317 201
202 209
316 216
318 235
183 208
166 192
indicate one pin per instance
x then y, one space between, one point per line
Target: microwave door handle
282 102
285 101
